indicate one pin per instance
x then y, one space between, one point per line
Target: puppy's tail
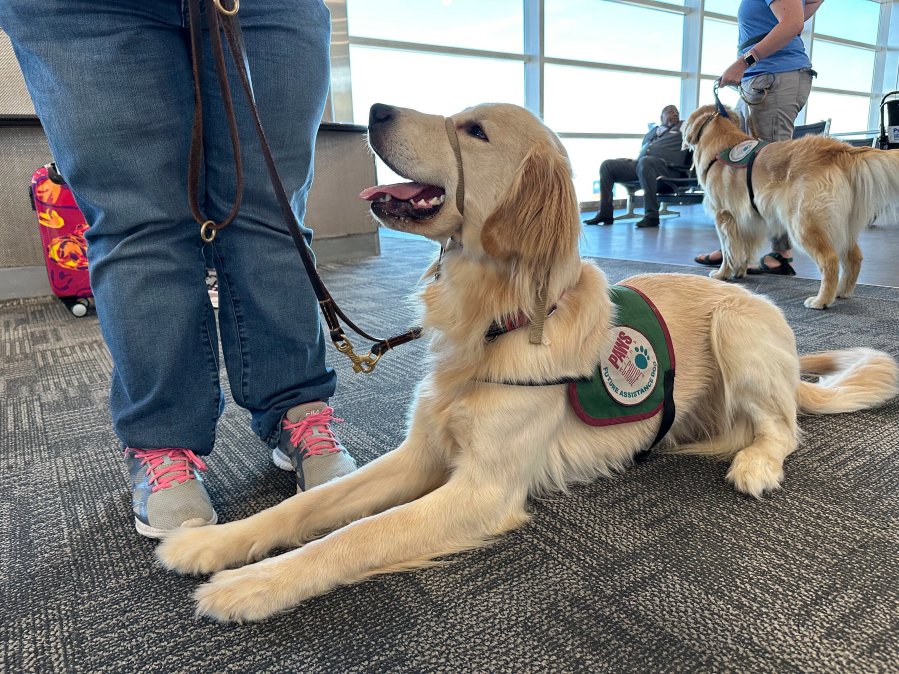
850 380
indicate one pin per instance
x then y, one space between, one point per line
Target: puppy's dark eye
477 131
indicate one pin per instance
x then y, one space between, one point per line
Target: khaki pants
770 105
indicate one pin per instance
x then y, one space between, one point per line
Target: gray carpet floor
663 568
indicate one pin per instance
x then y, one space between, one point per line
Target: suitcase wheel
79 307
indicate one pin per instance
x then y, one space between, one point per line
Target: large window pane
847 113
430 82
586 154
719 46
606 32
580 100
728 95
842 67
728 7
849 19
497 25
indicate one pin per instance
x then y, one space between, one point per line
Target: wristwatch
749 59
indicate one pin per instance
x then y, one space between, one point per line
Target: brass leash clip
365 364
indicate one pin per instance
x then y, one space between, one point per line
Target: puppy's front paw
249 594
205 549
815 303
754 473
718 274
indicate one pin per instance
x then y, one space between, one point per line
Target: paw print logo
641 360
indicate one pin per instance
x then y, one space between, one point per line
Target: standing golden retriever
820 191
480 441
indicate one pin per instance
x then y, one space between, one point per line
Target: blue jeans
112 83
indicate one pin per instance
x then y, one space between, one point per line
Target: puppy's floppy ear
537 221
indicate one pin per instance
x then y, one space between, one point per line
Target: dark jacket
665 145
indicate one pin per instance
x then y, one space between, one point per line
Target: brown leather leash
223 20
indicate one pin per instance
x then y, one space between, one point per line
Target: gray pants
772 103
646 169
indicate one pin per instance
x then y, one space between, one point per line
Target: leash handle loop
194 170
230 26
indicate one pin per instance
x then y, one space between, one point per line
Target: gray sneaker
167 491
308 446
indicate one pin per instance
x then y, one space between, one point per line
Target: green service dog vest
635 379
743 154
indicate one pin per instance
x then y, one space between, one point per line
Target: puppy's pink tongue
401 191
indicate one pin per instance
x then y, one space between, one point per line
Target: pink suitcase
62 228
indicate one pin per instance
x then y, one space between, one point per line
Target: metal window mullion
727 18
433 49
881 57
807 36
339 107
844 92
598 65
586 135
691 54
842 41
534 49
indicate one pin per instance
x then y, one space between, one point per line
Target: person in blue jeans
112 83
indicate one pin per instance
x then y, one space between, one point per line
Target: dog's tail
850 380
875 182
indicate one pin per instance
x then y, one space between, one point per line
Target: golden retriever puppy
820 191
513 313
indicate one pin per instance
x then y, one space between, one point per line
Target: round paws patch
739 152
630 372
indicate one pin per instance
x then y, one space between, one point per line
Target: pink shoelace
179 469
314 430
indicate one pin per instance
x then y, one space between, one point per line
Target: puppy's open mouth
405 201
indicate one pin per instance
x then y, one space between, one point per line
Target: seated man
661 155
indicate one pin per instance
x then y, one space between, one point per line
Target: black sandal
784 269
706 259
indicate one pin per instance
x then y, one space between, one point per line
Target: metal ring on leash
208 231
227 12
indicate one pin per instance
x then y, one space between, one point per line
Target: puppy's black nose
381 114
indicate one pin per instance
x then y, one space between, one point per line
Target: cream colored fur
820 191
476 451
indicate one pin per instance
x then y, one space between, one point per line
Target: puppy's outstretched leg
460 515
397 477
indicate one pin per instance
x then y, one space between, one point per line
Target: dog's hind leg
755 350
820 248
397 477
851 263
460 515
